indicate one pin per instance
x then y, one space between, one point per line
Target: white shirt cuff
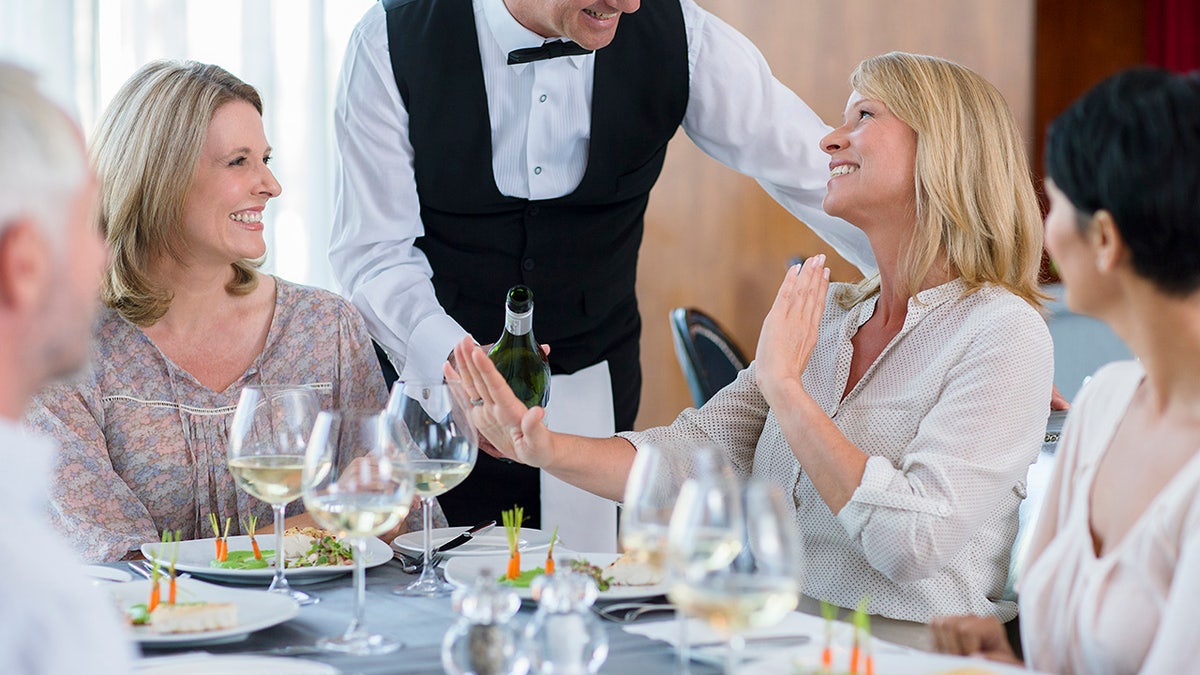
874 493
429 346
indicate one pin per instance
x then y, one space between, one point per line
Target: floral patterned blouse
143 443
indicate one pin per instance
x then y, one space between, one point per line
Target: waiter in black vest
485 143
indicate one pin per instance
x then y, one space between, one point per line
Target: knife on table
465 536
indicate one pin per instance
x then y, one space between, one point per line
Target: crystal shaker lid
564 592
485 601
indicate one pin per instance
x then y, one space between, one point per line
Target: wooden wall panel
1077 44
714 239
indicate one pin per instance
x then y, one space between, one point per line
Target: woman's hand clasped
973 636
789 332
515 431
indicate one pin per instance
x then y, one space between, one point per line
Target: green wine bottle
517 354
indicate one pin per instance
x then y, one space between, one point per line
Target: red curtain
1173 34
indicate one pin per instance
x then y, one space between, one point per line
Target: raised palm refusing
517 432
789 332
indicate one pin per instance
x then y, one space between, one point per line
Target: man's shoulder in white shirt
57 620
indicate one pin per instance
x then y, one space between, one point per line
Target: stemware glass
735 559
651 491
267 440
358 482
431 424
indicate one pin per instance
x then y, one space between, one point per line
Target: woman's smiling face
230 188
872 163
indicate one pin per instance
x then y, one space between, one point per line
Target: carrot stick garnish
861 636
512 528
154 574
830 612
216 527
174 557
250 523
550 551
223 554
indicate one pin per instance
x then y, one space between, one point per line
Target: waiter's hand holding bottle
518 358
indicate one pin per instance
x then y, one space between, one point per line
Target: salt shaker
565 637
483 641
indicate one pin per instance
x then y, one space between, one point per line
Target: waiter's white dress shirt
540 119
55 620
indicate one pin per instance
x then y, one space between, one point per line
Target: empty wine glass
431 424
650 495
267 440
735 559
358 482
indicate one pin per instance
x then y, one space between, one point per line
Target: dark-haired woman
1113 578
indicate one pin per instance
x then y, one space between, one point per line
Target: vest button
528 264
533 210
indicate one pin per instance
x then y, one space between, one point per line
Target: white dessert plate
491 543
195 556
463 571
255 610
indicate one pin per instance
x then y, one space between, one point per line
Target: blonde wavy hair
145 150
974 191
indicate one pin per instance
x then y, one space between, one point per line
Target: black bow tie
548 50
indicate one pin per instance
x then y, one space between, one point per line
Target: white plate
230 664
463 571
104 573
256 610
195 555
490 543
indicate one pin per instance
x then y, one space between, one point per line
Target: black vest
578 253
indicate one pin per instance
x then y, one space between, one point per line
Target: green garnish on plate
525 578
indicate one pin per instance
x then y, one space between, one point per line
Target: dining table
419 623
639 647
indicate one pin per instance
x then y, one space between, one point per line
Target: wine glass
432 426
267 439
358 482
735 559
650 495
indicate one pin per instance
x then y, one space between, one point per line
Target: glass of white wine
267 440
735 559
431 424
651 491
358 482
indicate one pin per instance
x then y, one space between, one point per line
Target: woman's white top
1136 608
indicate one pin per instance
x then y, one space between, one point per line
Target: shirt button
537 170
542 98
528 264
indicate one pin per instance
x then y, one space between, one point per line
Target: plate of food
619 577
202 613
488 544
310 555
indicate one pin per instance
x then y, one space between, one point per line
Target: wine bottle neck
518 324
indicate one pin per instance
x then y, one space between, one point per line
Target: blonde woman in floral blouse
189 320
